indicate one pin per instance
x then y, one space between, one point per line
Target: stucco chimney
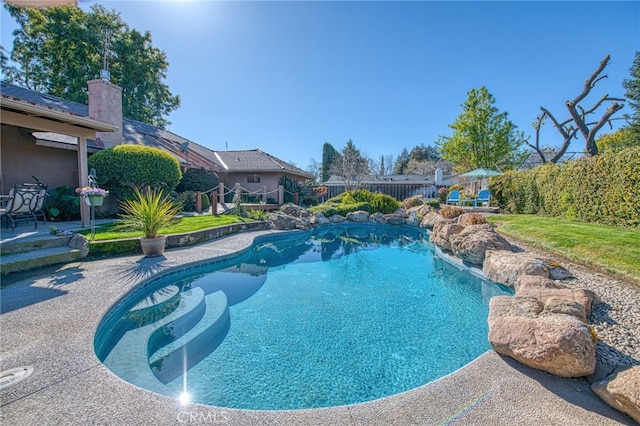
438 177
105 104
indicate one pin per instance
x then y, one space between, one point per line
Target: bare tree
578 120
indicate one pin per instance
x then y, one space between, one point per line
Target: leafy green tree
401 162
482 136
58 49
351 166
632 93
329 155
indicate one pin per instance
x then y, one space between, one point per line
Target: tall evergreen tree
632 93
329 155
482 136
351 166
58 49
401 162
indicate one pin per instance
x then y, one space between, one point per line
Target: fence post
221 192
264 194
295 198
214 203
198 201
280 194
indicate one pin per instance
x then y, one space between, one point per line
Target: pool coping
49 319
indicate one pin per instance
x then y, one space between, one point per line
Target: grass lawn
181 226
611 248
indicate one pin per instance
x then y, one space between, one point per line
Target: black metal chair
25 202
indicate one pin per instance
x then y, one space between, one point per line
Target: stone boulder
581 296
473 241
295 211
505 267
558 344
336 218
429 220
359 216
319 219
303 223
621 391
81 243
421 211
395 218
412 220
281 221
536 282
378 217
442 233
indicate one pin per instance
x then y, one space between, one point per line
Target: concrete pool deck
49 317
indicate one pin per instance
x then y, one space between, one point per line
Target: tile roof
255 159
136 132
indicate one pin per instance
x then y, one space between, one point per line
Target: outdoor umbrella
480 174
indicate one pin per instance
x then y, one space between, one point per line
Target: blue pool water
340 316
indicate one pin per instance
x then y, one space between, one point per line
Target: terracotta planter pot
153 246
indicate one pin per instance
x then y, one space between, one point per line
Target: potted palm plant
149 211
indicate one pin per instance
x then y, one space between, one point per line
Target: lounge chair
25 202
454 197
484 197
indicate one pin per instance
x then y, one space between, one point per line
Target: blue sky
286 77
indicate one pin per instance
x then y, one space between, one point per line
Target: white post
83 179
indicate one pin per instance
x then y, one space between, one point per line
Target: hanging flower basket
92 196
94 200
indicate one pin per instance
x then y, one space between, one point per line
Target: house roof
46 113
256 160
335 180
136 132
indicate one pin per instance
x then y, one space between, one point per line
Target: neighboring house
255 170
398 186
53 149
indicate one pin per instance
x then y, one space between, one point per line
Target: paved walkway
49 318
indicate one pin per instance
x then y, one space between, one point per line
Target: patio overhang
25 114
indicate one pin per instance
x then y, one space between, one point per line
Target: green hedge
123 167
602 189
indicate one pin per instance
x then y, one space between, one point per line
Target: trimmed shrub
341 209
602 189
414 201
360 199
382 203
197 180
451 212
123 167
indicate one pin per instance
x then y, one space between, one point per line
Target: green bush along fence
602 189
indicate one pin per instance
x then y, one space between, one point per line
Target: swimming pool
342 315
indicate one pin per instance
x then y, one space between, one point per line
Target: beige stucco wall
21 158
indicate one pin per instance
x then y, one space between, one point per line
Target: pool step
155 306
170 361
129 359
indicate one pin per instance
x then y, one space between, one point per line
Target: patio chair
25 202
454 197
484 197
